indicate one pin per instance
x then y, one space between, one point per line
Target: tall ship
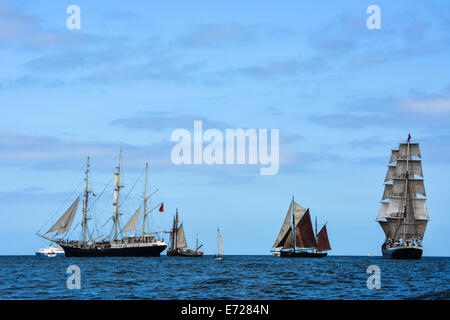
297 238
178 244
144 245
403 215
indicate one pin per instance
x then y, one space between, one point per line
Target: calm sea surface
235 277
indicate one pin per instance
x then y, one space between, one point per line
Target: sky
341 95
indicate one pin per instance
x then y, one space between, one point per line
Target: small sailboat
219 255
178 242
297 237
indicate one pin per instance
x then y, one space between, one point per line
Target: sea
234 277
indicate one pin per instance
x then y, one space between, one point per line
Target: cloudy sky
341 95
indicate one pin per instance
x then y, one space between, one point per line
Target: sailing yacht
178 242
404 216
145 245
219 255
297 237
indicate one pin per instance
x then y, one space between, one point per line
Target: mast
175 231
293 224
316 233
116 196
145 199
85 202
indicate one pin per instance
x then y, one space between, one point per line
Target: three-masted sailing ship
178 242
297 237
145 245
219 255
404 215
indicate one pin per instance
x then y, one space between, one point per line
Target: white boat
219 256
276 252
50 251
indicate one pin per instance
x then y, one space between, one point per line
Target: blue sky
341 95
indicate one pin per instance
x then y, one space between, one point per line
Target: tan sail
286 228
323 242
282 235
289 242
65 222
399 227
181 239
132 223
304 232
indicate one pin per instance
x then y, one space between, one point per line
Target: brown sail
304 232
322 240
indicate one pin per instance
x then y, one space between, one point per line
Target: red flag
161 209
409 137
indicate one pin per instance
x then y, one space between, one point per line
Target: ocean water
235 277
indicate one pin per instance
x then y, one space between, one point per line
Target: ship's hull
403 252
178 253
302 254
142 251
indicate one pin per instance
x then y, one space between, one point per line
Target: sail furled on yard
65 222
181 239
286 228
323 243
133 222
403 213
304 233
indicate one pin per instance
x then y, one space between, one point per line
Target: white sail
414 151
387 191
391 173
397 188
399 170
394 156
419 208
132 223
65 222
395 207
181 239
219 242
414 168
383 213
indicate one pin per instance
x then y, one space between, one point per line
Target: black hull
302 254
403 253
173 253
151 251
